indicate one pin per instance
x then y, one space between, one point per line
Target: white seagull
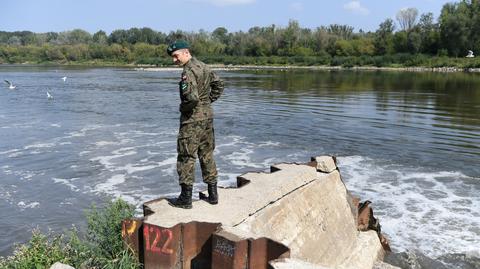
49 96
10 85
64 79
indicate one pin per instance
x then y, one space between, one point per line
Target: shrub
102 248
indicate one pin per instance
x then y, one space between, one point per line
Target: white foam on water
82 153
6 170
168 162
114 143
7 193
235 140
22 175
27 175
23 205
56 125
138 133
269 162
436 212
227 179
83 132
166 142
133 168
108 187
105 143
14 155
241 158
39 146
66 182
107 161
239 152
269 144
9 151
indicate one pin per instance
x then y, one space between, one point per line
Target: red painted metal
162 246
131 235
263 250
197 244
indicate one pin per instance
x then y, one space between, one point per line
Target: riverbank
395 62
322 67
230 67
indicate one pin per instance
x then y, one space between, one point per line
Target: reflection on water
406 116
407 141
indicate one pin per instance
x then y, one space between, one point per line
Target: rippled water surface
409 142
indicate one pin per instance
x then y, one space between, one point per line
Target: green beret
177 45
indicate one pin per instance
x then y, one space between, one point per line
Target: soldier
199 87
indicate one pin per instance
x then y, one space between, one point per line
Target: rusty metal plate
197 244
263 250
162 246
131 235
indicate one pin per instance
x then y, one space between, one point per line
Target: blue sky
193 15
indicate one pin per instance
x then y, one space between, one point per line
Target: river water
409 142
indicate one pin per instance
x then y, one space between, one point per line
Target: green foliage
41 252
123 260
384 37
105 227
102 248
456 31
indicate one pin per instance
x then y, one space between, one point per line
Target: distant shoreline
323 67
222 67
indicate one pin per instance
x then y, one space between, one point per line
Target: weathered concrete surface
384 265
306 210
295 264
325 164
316 223
236 204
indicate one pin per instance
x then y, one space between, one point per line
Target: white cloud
297 6
356 7
225 2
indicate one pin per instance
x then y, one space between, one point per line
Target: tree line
412 40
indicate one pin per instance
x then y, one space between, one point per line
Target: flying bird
64 79
49 96
10 85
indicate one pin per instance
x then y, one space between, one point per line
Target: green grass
102 246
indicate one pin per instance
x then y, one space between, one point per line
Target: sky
193 15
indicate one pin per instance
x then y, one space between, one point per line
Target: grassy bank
399 60
101 247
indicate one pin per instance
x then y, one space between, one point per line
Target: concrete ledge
298 213
236 204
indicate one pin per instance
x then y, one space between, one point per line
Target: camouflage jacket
199 87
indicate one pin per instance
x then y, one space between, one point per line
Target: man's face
180 57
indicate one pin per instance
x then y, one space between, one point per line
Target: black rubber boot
184 200
212 194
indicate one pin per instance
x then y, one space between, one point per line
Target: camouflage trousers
196 139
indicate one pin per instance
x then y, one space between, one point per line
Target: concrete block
295 264
295 206
325 164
